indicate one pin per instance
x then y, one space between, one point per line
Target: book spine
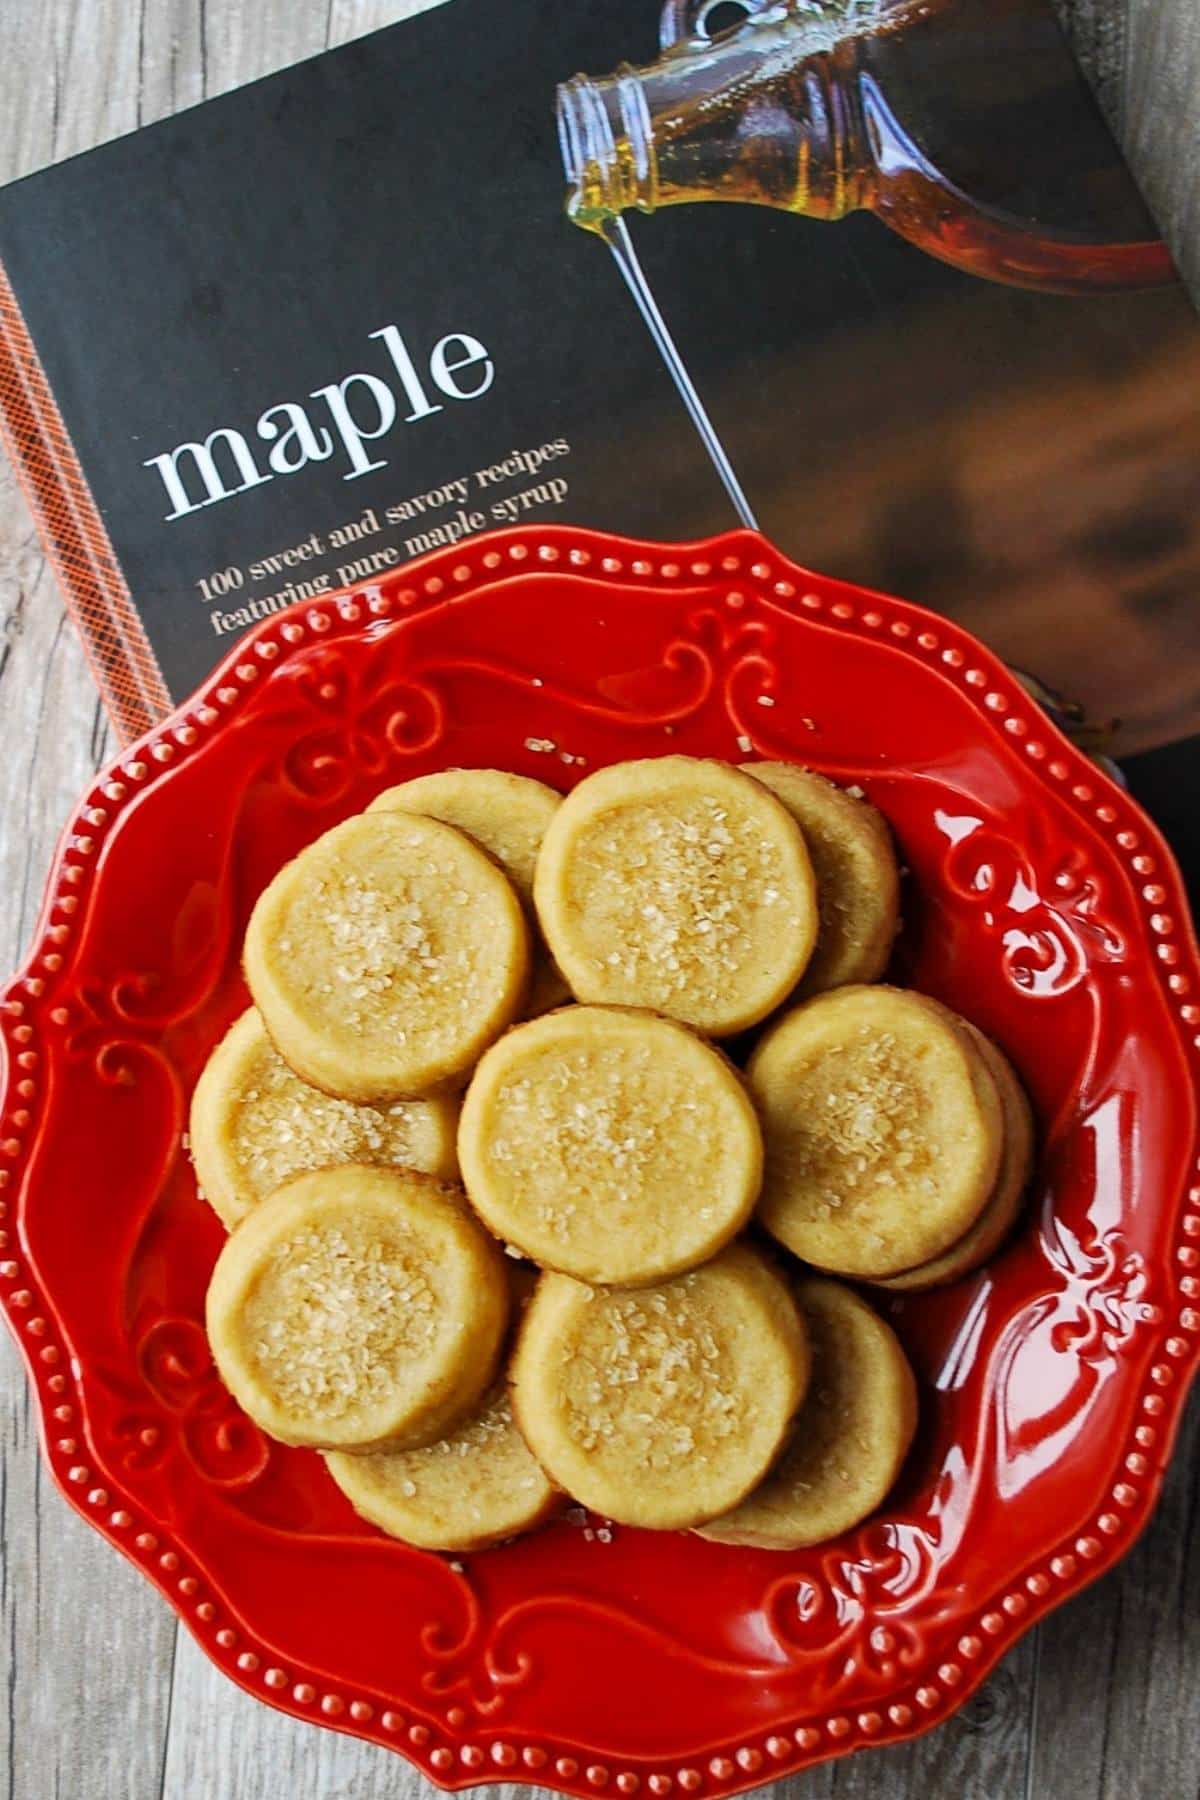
73 534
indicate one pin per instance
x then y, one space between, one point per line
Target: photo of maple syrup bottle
964 125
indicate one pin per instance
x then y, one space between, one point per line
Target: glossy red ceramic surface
1040 902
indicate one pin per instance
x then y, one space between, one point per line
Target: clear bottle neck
769 117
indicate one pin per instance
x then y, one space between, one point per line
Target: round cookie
1000 1214
679 885
850 1438
661 1408
883 1130
358 1308
475 1487
254 1124
858 881
387 956
610 1144
508 815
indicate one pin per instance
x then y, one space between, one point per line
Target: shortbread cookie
387 956
508 815
858 882
852 1434
358 1308
883 1130
476 1487
679 885
610 1144
1000 1214
661 1408
254 1124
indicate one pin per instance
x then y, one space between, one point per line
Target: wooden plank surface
102 1700
86 1647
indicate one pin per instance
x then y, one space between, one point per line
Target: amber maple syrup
962 124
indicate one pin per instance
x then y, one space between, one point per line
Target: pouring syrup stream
616 235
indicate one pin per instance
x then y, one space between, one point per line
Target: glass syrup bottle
963 124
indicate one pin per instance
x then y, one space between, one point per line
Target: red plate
1042 904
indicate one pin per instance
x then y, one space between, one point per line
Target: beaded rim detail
436 1744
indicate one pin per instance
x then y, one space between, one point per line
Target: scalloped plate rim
740 1777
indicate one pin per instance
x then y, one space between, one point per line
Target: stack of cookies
507 1222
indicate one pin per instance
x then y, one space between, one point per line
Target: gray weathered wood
1098 31
1117 1707
87 1647
1103 1703
235 1741
1143 57
1162 123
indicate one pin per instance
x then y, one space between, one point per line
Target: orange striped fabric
72 531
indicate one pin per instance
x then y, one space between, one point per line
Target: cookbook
868 274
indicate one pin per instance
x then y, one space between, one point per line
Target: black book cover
296 336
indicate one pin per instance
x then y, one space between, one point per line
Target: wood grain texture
87 1647
101 1701
246 1752
1116 1711
1098 31
1161 128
